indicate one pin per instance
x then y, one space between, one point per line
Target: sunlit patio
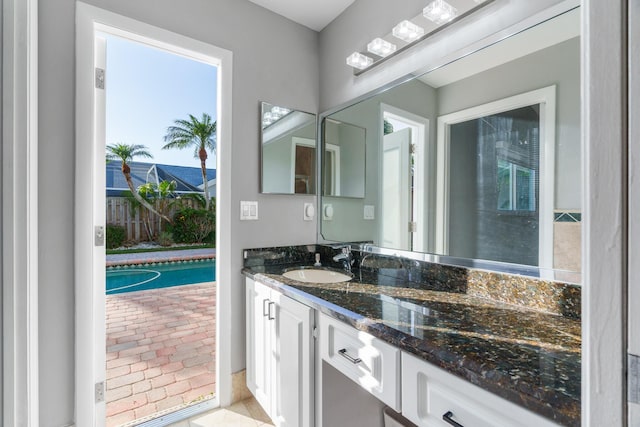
160 351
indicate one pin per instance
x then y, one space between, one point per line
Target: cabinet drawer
370 362
430 392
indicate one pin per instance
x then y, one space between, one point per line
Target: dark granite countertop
528 357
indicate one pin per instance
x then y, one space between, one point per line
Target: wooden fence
140 224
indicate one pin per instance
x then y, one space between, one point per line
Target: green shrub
165 238
193 225
115 236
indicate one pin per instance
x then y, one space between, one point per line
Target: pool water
138 278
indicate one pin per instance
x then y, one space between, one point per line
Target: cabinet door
258 339
429 394
293 362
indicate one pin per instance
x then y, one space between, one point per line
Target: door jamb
88 19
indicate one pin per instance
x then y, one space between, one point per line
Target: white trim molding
90 200
546 97
424 149
20 393
604 226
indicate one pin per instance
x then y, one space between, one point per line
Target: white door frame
546 97
423 151
19 267
90 201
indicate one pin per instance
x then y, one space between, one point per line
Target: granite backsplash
531 293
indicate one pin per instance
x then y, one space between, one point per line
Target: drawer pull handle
271 304
265 308
447 419
354 360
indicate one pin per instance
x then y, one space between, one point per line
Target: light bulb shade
381 47
279 111
407 31
440 12
359 61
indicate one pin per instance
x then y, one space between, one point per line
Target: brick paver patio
160 351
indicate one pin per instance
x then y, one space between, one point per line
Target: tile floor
160 351
247 413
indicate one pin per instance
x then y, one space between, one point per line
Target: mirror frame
574 277
315 162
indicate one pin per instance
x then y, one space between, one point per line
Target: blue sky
147 89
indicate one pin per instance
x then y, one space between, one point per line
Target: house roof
187 178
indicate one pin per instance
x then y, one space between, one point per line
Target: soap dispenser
317 264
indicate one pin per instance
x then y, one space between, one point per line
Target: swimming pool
138 278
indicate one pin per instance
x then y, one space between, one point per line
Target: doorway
160 271
404 146
90 202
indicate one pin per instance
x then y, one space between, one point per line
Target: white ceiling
310 13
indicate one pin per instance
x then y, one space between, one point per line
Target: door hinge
99 235
314 333
413 226
412 148
99 392
99 78
633 378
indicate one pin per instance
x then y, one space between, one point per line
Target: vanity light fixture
440 12
381 47
436 16
407 31
359 61
273 115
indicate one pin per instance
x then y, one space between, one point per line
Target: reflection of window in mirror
494 180
516 187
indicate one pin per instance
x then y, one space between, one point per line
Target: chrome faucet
346 257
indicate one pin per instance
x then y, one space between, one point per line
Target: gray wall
559 65
277 176
276 60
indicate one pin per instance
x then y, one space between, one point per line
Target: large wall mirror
288 147
344 159
478 160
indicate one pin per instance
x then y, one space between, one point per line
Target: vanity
415 337
451 203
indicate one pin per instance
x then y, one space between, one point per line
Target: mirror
478 160
288 147
343 170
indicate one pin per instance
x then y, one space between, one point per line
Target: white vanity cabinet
368 361
280 355
431 395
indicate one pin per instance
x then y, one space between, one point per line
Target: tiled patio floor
160 351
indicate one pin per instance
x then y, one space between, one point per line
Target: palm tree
125 153
199 134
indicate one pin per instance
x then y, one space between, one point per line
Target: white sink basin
316 275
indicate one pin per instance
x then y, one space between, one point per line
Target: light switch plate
369 212
248 210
